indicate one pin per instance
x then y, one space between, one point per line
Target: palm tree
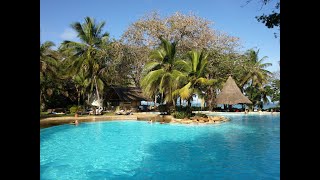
196 80
255 77
48 69
162 73
88 54
275 86
81 83
255 70
258 96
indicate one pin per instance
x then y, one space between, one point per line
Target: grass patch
109 114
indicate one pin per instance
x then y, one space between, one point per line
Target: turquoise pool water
247 147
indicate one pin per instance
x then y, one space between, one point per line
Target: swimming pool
247 147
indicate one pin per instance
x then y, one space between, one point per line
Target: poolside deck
53 121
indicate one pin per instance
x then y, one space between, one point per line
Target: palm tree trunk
79 98
155 100
162 98
95 80
210 96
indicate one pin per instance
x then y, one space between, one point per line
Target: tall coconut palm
196 80
87 54
256 74
162 73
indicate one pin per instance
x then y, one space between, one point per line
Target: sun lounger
123 112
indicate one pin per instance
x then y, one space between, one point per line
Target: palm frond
152 77
157 55
185 92
182 65
150 66
80 32
166 80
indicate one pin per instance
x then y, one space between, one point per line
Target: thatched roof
125 94
231 94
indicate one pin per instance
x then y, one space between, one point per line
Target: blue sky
229 16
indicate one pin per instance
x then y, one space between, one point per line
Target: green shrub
163 108
201 115
73 109
181 114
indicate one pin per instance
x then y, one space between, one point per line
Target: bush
201 115
181 114
73 109
163 108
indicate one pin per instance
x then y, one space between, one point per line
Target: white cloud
68 34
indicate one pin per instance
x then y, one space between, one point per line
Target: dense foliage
175 58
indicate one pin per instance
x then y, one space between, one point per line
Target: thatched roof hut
125 94
231 94
125 97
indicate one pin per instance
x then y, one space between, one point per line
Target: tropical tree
256 75
196 79
255 78
48 69
276 90
275 87
88 55
81 84
272 19
189 31
161 74
219 67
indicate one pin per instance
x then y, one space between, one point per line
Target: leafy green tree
161 74
221 65
88 55
256 74
272 20
275 86
48 70
81 84
257 95
196 80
